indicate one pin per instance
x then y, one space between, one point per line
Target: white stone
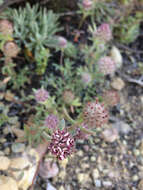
7 183
95 174
23 168
116 56
117 83
4 163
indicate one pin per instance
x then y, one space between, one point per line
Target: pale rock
95 174
18 147
107 183
62 174
82 177
7 183
48 169
117 83
140 185
116 56
110 135
122 127
61 188
24 167
63 163
4 163
50 187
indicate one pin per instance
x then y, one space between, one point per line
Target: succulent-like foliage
106 65
62 144
95 115
35 28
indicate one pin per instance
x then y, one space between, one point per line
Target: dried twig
132 80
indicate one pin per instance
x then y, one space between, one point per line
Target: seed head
68 96
87 4
62 144
95 114
10 49
51 121
86 78
41 95
106 65
62 42
111 97
104 32
6 27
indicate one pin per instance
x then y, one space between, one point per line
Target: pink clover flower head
111 97
62 144
41 95
68 96
81 134
94 114
51 121
106 65
86 78
62 42
6 27
104 32
87 4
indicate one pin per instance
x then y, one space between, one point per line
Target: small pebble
18 147
4 163
97 183
117 84
107 183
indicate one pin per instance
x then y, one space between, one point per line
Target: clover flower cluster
62 144
68 96
51 121
103 32
106 65
95 114
111 97
6 27
10 49
86 78
87 4
62 42
41 95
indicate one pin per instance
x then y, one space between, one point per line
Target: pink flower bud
86 78
41 95
51 121
95 115
68 96
111 97
62 42
106 65
62 144
6 27
87 4
104 32
10 49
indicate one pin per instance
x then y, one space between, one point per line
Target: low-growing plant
36 29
